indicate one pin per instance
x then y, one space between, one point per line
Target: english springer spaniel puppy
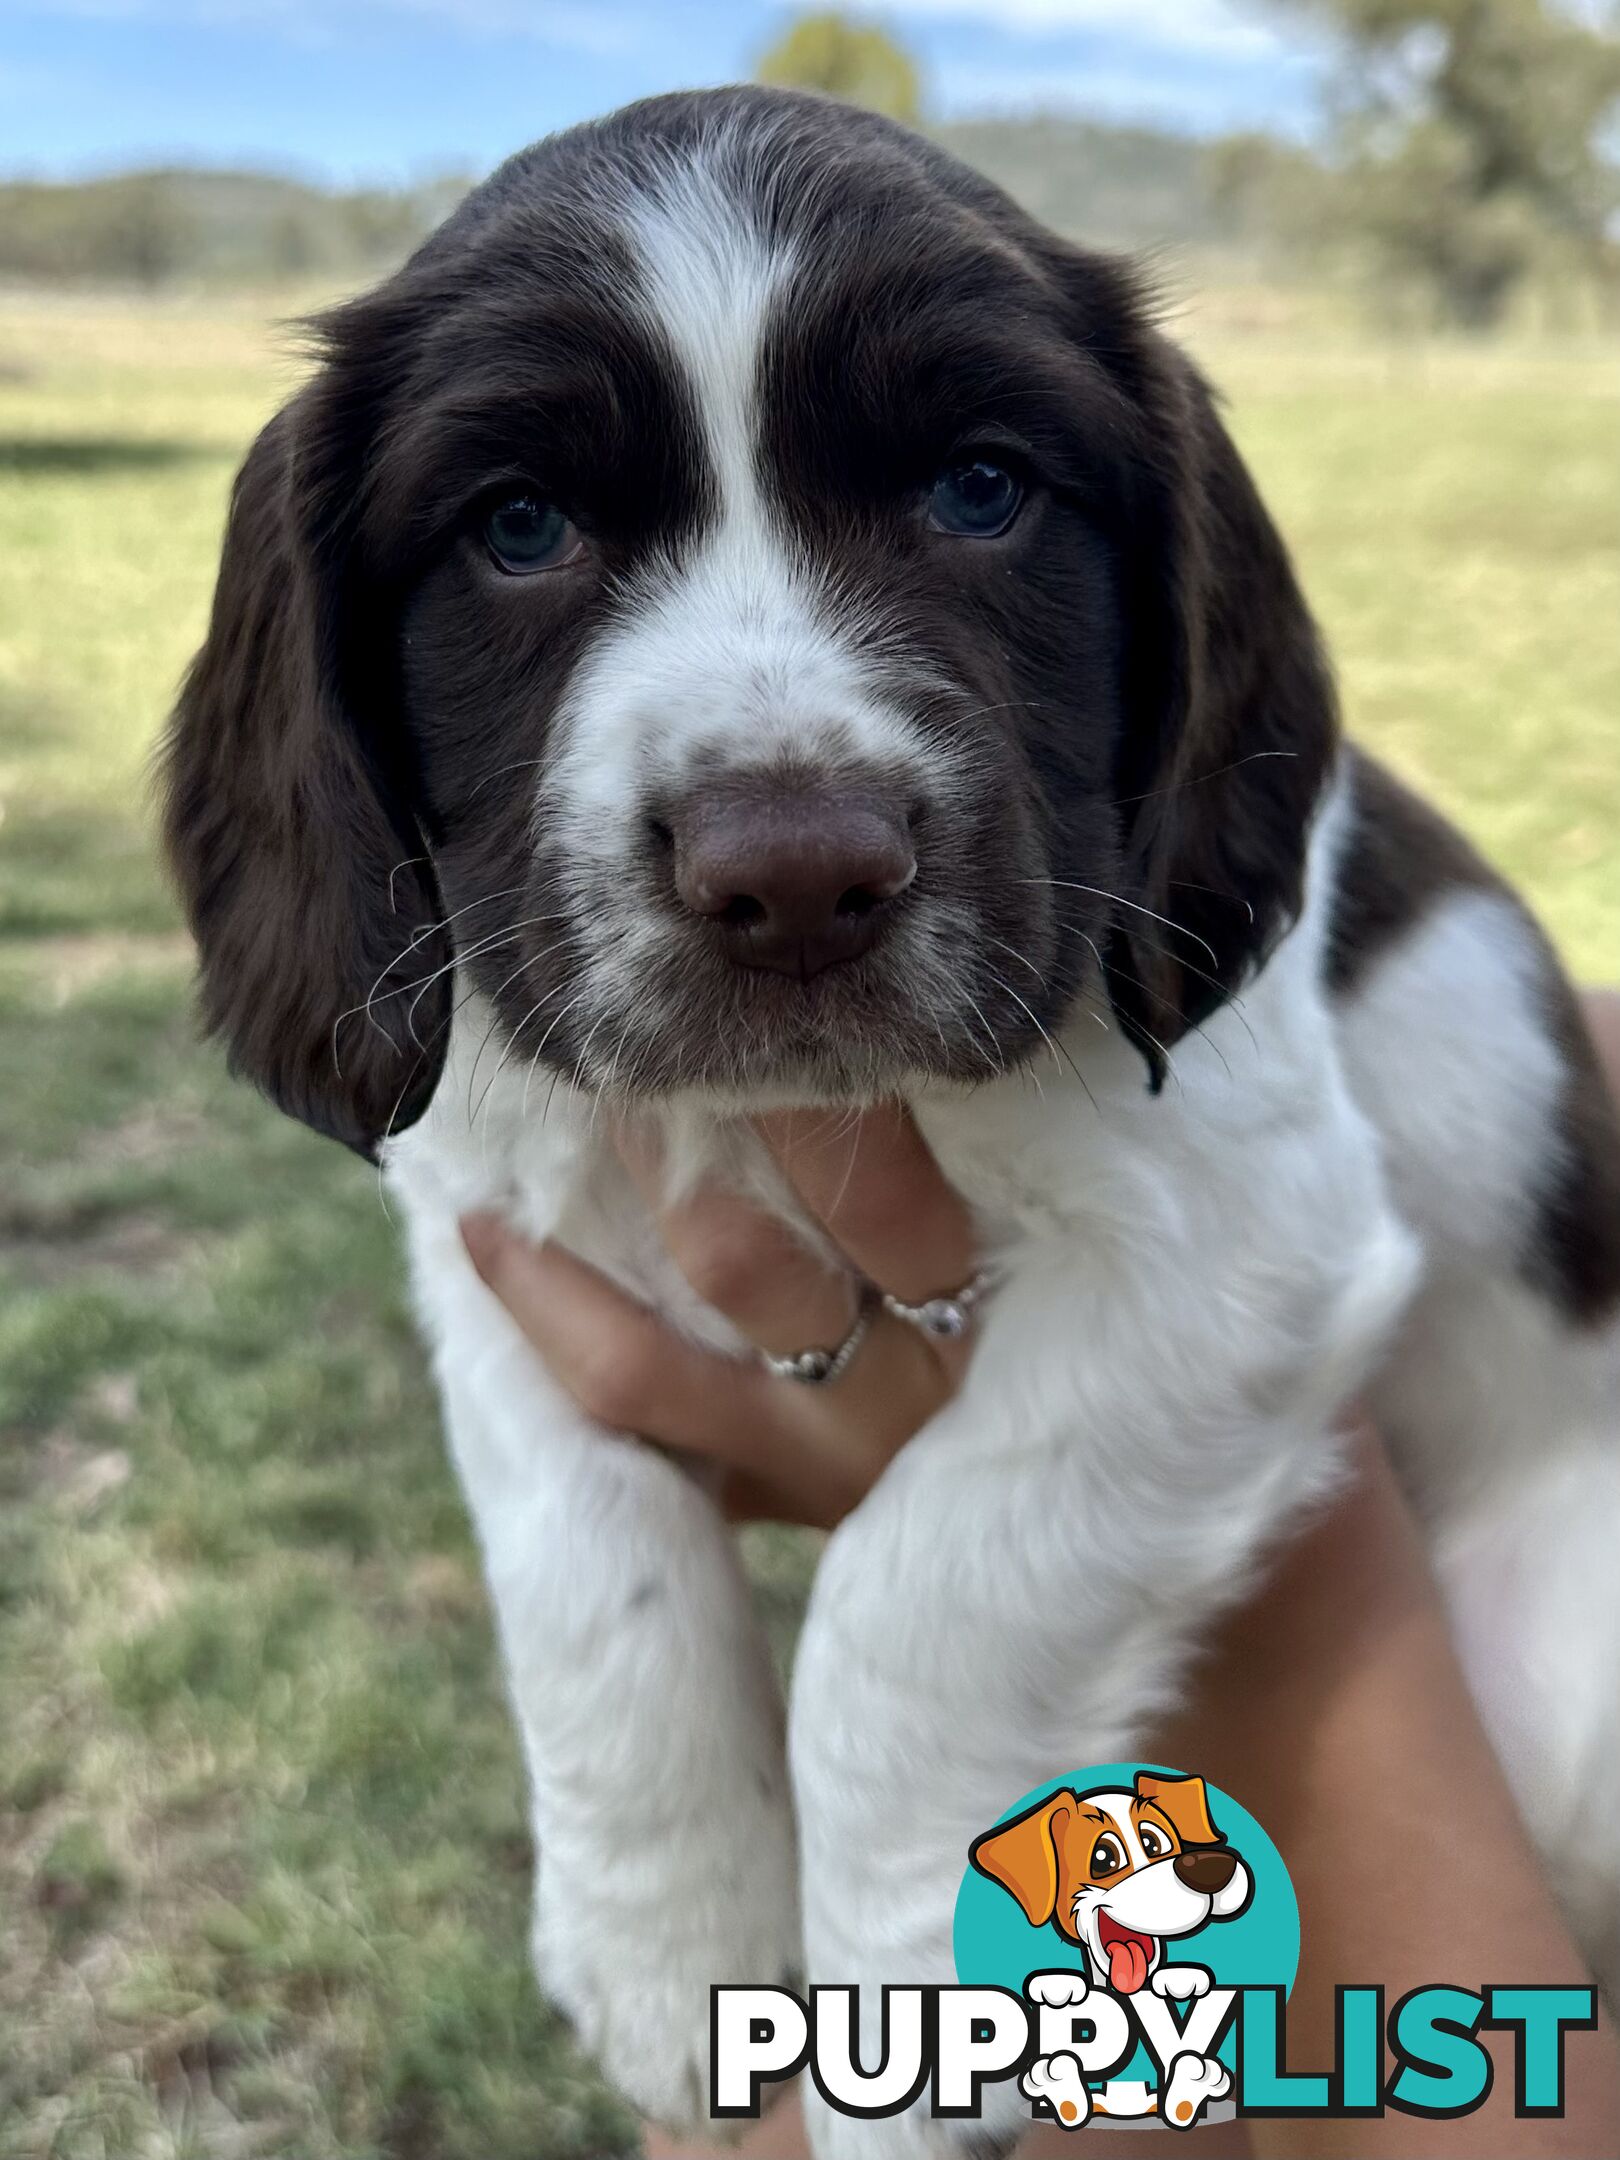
744 462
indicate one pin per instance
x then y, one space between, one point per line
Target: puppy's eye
1154 1842
1107 1858
975 500
526 533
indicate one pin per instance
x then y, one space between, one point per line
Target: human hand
786 1451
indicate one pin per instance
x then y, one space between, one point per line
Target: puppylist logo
1127 1878
1125 1942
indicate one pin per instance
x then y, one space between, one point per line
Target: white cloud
1206 26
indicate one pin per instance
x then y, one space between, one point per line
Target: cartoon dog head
1119 1872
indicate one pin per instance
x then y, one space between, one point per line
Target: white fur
1191 1286
1505 1420
643 1692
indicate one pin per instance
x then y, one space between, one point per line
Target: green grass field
263 1865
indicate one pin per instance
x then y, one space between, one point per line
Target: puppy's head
764 612
1121 1872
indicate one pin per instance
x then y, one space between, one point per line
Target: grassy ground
262 1859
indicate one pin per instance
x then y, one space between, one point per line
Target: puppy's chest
1140 1203
1092 1198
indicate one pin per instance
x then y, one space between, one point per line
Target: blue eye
976 500
526 533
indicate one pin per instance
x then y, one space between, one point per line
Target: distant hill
155 226
1118 187
1126 187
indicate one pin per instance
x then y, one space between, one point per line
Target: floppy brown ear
1231 726
1025 1856
1185 1800
302 869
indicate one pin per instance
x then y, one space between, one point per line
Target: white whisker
1175 787
1118 900
412 944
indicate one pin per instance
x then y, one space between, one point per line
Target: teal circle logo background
995 1946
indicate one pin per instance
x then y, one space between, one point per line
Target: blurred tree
1475 140
144 231
152 227
1257 183
291 247
846 59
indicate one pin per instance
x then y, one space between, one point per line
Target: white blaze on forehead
710 277
733 652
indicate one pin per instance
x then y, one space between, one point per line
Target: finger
620 1362
750 1266
880 1195
786 1298
630 1372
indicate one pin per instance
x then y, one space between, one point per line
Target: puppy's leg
650 1716
1009 1605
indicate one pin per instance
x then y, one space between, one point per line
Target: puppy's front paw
634 1979
1180 1983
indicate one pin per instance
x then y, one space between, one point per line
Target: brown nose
1206 1871
796 881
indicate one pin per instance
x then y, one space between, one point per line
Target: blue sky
393 89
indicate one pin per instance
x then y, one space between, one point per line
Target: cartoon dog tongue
1128 1955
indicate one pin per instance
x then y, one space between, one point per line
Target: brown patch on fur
1217 797
1401 860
